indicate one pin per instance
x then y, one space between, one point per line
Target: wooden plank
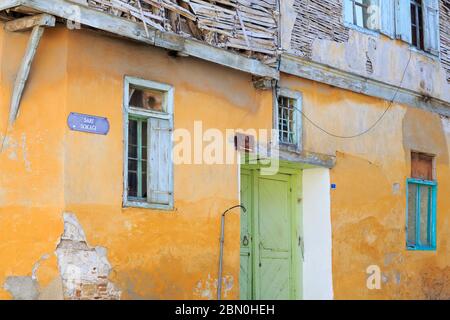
26 23
93 18
325 74
421 166
159 171
24 71
229 59
170 41
8 4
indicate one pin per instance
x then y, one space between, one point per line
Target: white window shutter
348 11
160 167
431 25
387 12
403 20
373 21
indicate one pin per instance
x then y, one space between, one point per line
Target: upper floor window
413 21
417 24
362 13
421 203
148 169
288 119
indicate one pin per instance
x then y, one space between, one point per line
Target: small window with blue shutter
421 203
417 23
148 166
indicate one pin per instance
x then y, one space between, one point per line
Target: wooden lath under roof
249 26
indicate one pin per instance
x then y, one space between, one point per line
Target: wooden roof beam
26 23
132 30
9 4
38 24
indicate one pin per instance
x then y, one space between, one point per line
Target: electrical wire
370 128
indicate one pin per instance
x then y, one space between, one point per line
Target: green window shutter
403 20
348 11
160 167
431 26
387 12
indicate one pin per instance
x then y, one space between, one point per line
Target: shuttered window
413 21
431 26
417 23
387 12
148 169
363 13
421 204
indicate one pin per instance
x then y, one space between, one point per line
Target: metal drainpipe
222 240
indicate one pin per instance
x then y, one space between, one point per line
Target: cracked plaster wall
319 34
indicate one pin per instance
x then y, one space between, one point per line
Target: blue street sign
87 123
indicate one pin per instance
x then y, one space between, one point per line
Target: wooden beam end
26 23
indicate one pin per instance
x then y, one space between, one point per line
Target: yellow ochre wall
47 170
367 211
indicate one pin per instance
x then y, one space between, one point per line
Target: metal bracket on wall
37 23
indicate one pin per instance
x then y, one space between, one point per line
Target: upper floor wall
245 26
374 47
377 39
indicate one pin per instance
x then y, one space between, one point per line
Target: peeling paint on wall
84 270
388 60
13 147
207 288
436 283
323 20
22 287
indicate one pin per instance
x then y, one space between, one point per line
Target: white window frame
298 97
372 32
397 26
166 115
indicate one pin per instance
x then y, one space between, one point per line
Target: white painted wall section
317 265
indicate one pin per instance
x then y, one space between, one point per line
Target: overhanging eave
125 28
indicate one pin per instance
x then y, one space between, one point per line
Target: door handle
245 241
302 247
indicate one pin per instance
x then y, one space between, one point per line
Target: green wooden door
246 244
267 237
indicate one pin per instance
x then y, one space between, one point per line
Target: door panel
245 275
266 237
275 279
274 235
274 214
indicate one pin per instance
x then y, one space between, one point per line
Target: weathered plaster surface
368 206
385 60
156 255
22 287
150 254
319 34
84 270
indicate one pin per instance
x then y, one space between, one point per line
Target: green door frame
294 180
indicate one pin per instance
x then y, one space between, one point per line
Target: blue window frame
421 214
